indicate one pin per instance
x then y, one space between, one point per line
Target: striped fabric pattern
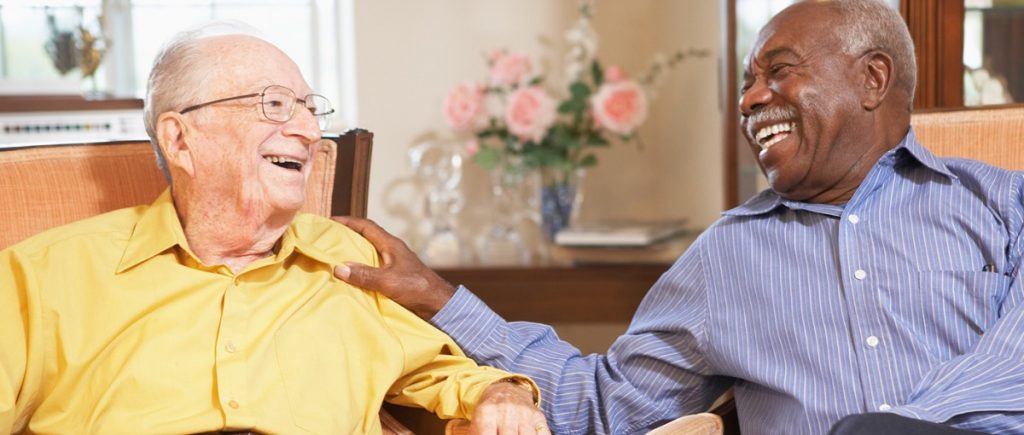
903 300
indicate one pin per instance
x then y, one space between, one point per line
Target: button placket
230 362
862 294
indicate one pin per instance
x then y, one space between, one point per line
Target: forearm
979 390
592 394
976 391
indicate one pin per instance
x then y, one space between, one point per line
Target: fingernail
342 271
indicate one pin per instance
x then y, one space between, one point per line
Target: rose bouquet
514 123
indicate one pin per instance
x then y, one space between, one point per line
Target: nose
303 125
755 97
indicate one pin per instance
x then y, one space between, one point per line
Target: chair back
46 185
993 135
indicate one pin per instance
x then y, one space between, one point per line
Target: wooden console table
560 294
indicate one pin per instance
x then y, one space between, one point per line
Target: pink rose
614 74
464 107
529 113
620 107
472 147
508 68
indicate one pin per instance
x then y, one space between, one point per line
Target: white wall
410 53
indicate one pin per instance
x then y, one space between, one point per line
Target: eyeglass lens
279 105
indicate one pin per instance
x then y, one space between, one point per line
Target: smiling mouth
284 162
773 134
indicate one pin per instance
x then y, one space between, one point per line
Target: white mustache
771 114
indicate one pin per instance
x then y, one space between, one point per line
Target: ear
172 135
878 74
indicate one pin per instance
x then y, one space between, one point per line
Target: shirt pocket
949 311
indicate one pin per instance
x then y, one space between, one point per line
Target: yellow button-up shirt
111 325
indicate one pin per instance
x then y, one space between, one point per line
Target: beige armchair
993 134
46 185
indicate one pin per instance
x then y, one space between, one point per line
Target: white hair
874 25
180 73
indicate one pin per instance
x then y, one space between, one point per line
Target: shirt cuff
468 320
914 412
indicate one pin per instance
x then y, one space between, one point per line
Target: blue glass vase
560 199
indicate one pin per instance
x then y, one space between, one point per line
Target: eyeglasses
278 105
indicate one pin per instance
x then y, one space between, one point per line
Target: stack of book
623 242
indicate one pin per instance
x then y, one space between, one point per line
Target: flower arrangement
516 124
512 114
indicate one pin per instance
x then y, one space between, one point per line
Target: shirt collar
159 230
304 240
768 200
922 155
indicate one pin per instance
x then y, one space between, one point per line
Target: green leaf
579 90
597 140
588 161
598 73
569 106
487 158
511 143
536 80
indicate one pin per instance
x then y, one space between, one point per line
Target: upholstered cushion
992 135
42 187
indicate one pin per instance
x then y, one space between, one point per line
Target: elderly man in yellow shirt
214 309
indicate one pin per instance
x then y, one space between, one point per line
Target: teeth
764 132
771 142
284 162
279 159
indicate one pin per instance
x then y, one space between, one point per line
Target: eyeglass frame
321 117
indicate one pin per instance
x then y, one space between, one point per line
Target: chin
286 203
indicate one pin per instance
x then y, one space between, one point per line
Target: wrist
524 385
435 300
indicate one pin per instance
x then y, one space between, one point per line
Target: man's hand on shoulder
401 275
508 407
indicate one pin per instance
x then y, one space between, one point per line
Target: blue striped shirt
904 299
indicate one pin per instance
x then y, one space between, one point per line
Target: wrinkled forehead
245 63
798 28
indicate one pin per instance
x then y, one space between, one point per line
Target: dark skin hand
503 407
401 275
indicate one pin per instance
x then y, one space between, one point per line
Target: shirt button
872 341
854 218
234 405
230 347
884 407
860 274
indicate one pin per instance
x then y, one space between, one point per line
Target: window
41 39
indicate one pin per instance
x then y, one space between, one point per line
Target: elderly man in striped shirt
874 285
